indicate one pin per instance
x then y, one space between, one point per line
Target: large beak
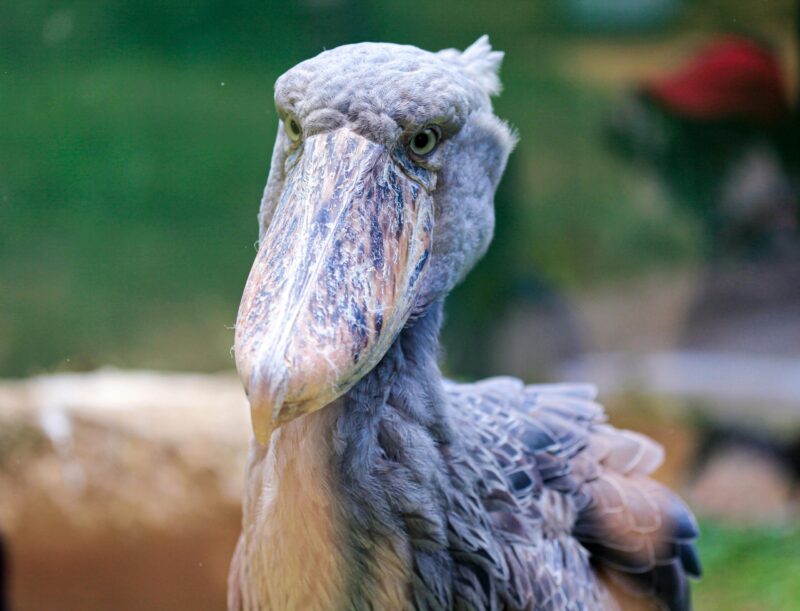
335 277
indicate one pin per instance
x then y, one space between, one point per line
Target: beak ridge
335 278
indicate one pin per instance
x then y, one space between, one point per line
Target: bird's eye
424 141
293 129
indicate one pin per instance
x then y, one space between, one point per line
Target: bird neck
406 383
404 389
348 488
387 463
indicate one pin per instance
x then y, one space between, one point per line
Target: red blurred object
733 78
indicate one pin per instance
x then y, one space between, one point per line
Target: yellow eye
293 129
424 141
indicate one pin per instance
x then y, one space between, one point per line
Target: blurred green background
135 141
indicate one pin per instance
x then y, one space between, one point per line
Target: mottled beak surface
335 278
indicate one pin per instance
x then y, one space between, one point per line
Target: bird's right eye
293 130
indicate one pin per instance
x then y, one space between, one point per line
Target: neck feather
371 465
387 460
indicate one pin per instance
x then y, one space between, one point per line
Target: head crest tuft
480 62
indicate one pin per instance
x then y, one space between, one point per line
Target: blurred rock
3 576
121 490
743 485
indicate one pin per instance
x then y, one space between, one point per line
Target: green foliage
131 190
749 569
135 144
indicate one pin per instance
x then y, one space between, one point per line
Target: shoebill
372 482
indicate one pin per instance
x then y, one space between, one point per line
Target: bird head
379 200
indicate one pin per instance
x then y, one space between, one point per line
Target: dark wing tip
645 533
687 552
684 525
685 532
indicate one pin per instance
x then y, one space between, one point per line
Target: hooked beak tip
266 394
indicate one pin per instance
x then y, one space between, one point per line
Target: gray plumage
505 496
384 92
510 495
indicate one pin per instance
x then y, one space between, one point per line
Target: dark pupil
421 140
293 126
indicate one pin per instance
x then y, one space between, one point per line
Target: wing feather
565 492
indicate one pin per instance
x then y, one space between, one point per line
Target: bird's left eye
425 140
293 129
